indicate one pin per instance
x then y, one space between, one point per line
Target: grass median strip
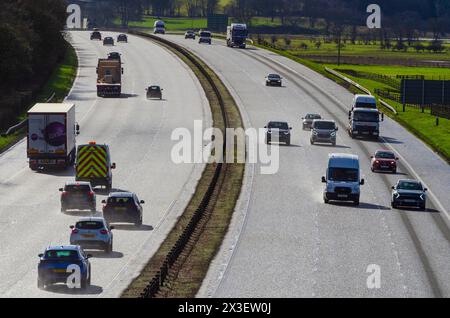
186 277
60 83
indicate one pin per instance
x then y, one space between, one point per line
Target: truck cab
237 34
343 179
364 122
159 27
364 101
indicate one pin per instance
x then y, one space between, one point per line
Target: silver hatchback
92 233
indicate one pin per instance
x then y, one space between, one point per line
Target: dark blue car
57 263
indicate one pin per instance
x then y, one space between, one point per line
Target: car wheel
422 207
63 210
356 202
109 248
394 171
311 141
334 144
326 200
372 169
288 142
393 205
138 222
40 284
84 283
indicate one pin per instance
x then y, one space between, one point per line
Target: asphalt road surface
284 241
139 134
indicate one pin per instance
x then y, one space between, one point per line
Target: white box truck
51 136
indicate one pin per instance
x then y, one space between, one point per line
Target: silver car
323 131
92 233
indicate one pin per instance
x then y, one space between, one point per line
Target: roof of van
51 108
343 160
364 97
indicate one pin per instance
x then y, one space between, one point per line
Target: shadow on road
63 289
131 227
101 254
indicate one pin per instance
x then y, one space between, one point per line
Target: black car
308 120
78 196
189 35
108 41
123 207
96 35
274 80
409 193
122 38
154 91
278 131
57 263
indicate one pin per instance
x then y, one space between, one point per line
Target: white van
343 180
364 101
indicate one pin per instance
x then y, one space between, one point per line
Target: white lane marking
407 164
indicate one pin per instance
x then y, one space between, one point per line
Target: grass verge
190 271
422 125
60 83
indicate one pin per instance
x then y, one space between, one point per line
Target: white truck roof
365 98
343 160
51 108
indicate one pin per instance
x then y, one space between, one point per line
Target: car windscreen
240 32
324 125
89 225
313 116
154 88
366 117
407 185
366 105
274 76
384 155
120 200
343 174
277 125
77 188
205 34
61 254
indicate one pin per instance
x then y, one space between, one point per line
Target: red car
384 160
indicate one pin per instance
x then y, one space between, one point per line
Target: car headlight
396 195
286 132
315 133
333 134
269 132
422 197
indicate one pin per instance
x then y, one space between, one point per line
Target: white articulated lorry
237 34
51 136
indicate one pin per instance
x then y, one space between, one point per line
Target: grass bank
60 83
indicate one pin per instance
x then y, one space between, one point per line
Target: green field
60 83
356 50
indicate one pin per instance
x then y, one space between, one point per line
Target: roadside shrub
273 39
287 41
436 47
318 44
303 46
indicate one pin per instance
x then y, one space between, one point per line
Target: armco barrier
160 277
23 123
365 90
